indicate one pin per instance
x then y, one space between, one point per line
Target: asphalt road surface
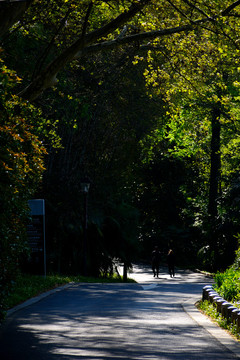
151 319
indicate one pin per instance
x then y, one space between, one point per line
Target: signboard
36 237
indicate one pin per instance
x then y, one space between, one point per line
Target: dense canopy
140 96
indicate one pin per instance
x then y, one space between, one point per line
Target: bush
236 264
27 286
21 167
227 284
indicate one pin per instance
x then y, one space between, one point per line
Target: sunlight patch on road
149 287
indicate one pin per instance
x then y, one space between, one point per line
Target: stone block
219 304
224 309
212 295
234 315
238 320
229 311
205 292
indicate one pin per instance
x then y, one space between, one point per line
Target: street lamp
85 185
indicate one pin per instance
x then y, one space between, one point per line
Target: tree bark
215 173
85 44
48 77
125 272
215 163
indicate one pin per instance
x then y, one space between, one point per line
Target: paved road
152 319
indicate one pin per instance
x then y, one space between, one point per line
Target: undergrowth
27 286
227 284
210 310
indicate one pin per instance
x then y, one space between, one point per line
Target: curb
37 298
205 273
218 333
188 306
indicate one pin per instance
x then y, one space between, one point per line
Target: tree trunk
125 272
215 163
10 12
214 186
48 77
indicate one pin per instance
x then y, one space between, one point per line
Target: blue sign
36 238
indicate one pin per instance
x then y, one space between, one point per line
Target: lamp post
85 185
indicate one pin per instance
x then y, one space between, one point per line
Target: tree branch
48 77
40 63
193 6
178 10
84 45
111 44
86 18
230 8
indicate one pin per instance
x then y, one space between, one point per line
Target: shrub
21 167
227 284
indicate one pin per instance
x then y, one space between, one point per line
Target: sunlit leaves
21 169
22 153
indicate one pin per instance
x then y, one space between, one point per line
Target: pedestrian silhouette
171 263
155 261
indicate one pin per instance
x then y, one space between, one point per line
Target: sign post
36 236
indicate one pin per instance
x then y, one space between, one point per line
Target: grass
210 310
227 285
27 286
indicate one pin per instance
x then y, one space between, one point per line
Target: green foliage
210 310
145 148
21 168
227 284
99 130
206 257
162 197
192 91
236 264
27 286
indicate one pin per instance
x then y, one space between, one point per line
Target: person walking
171 263
155 261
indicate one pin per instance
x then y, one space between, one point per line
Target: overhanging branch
85 44
111 44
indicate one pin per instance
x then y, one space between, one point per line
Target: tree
55 39
208 87
97 39
21 167
102 112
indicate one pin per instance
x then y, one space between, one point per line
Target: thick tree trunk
48 77
85 45
14 9
214 187
125 272
215 164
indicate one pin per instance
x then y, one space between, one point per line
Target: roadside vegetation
210 310
227 285
27 286
111 92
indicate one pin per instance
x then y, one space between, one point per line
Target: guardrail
225 308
